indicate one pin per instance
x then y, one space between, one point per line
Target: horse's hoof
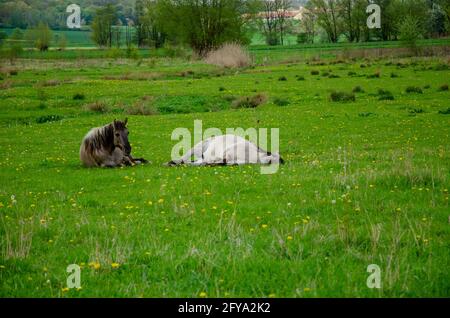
170 164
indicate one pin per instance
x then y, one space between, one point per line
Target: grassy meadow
365 182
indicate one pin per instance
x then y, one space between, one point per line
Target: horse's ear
115 123
125 122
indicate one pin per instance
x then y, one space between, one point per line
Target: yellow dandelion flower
65 289
203 295
161 200
271 295
306 289
264 226
115 265
290 238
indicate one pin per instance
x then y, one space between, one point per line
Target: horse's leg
197 152
197 163
127 161
137 160
108 164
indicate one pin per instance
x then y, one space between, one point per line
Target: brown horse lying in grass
108 146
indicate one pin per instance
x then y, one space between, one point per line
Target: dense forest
26 13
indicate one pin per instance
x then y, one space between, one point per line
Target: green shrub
445 111
443 88
336 96
413 89
385 95
282 79
279 101
78 96
374 75
250 101
416 111
314 72
132 53
48 118
358 89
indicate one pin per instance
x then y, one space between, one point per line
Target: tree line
207 24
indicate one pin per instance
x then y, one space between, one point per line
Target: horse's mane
101 137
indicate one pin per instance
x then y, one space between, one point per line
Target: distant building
289 14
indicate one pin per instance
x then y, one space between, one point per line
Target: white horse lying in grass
226 150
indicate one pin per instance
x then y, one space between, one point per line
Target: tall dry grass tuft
230 55
16 242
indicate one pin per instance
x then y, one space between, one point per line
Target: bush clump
314 72
385 95
48 119
249 101
336 96
443 88
374 75
142 108
358 89
78 96
279 101
413 89
230 55
97 107
445 111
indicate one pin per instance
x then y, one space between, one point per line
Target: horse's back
87 151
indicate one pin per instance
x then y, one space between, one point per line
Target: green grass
365 183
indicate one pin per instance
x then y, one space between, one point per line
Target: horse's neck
108 135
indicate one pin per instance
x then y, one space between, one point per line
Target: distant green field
365 181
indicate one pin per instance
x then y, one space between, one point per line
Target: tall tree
327 13
282 7
269 21
203 24
309 22
353 15
102 25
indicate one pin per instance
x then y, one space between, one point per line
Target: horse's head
121 136
272 158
